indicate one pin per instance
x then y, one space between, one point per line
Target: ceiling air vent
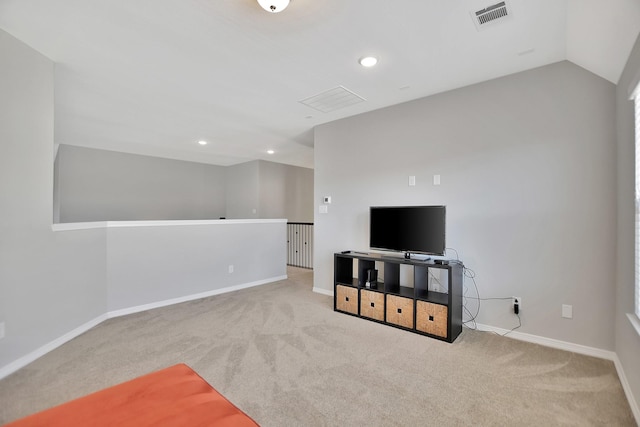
333 99
491 15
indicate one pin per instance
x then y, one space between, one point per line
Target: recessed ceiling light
202 142
270 151
368 61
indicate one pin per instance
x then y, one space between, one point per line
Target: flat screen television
408 229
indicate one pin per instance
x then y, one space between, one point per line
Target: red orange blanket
175 396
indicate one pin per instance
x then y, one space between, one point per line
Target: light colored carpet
282 355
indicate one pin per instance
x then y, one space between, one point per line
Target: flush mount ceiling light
270 151
368 61
273 6
202 142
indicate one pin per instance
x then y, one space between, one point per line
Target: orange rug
175 396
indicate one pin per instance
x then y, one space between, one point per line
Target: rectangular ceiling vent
491 15
332 100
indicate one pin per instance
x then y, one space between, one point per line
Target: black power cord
470 274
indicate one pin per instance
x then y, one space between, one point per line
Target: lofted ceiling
154 77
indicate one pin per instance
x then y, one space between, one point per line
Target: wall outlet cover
567 311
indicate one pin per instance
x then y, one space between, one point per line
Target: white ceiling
155 76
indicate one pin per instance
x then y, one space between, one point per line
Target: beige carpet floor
281 354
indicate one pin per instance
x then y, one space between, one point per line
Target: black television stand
429 304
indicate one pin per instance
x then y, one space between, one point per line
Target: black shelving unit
431 305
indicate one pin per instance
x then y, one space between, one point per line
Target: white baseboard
30 357
627 390
158 304
25 360
576 348
550 342
562 345
322 291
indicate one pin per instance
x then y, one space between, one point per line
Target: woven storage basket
431 318
347 299
372 305
400 311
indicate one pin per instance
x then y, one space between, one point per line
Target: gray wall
159 263
528 175
627 339
100 185
50 283
285 192
54 283
261 189
243 190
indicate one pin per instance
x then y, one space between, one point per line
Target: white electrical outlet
230 268
567 311
513 303
1 330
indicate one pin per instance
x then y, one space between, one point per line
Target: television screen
419 229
